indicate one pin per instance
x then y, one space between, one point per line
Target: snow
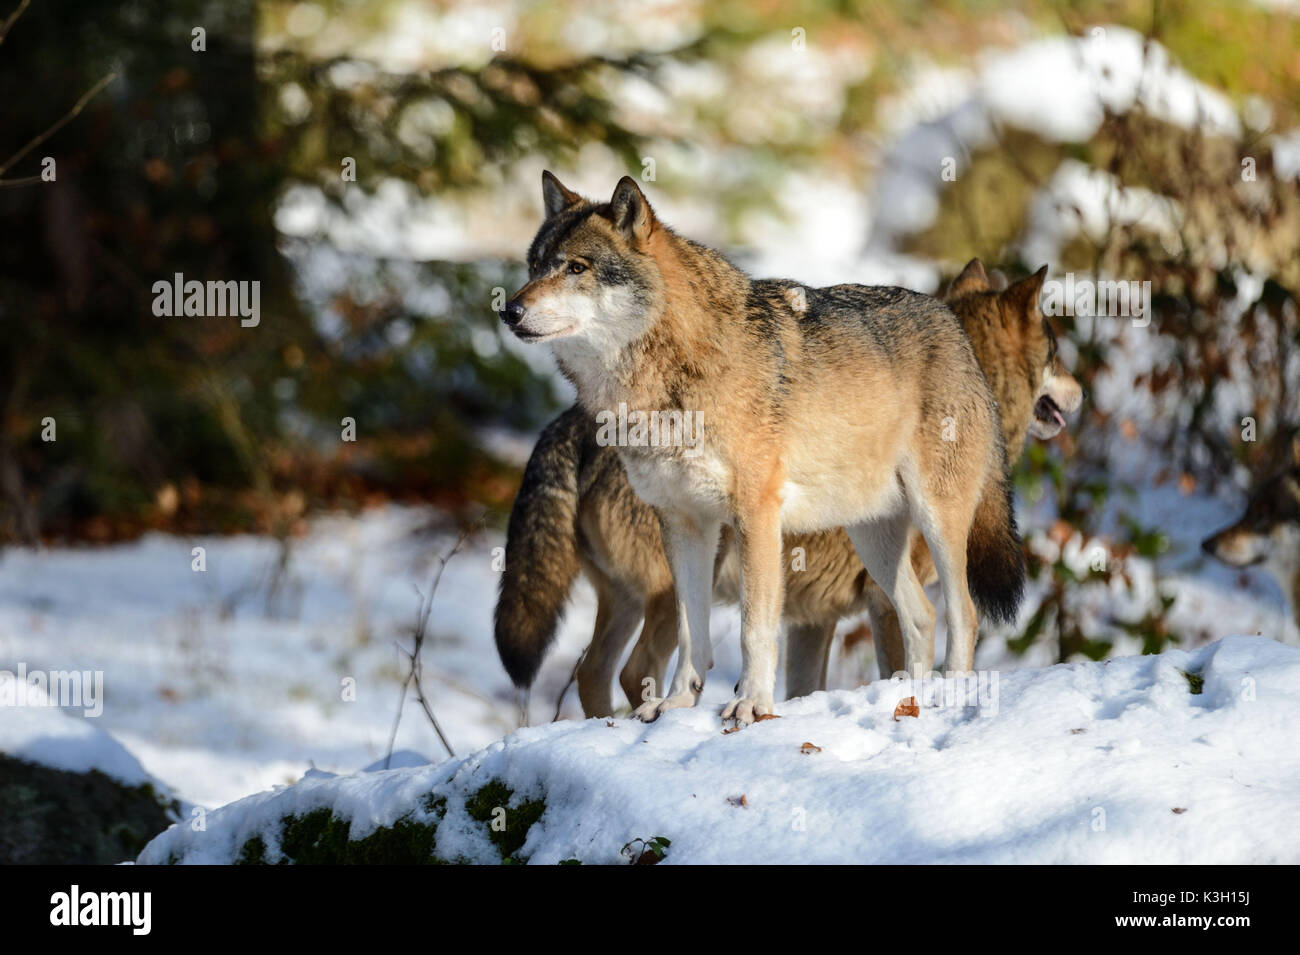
220 691
1080 199
1286 154
1115 762
38 731
1072 81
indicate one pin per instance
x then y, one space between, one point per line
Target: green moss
1195 682
322 838
519 819
318 838
481 803
253 852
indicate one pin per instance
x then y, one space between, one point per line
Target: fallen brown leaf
808 749
907 707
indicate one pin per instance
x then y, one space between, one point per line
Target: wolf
1268 533
850 406
575 510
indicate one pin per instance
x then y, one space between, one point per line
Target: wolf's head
591 277
1269 531
1016 347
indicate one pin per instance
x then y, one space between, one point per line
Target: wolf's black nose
512 313
1207 545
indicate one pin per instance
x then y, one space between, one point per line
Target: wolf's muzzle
513 313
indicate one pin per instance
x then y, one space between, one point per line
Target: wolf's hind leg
886 636
617 614
649 658
882 545
808 649
945 530
963 624
690 545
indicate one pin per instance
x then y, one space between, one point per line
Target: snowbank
70 793
1176 758
40 732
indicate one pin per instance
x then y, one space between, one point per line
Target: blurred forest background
756 120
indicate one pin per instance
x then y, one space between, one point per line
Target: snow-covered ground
1115 762
219 693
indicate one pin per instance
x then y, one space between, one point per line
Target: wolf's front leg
690 544
762 582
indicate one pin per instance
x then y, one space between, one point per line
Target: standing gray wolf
575 510
850 406
1268 533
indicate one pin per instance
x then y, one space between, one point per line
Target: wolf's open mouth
1048 411
524 334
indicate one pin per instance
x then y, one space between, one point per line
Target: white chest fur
669 478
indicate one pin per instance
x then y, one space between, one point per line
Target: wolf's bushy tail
995 561
541 548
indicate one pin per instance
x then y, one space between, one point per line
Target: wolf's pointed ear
970 279
630 211
555 197
1023 296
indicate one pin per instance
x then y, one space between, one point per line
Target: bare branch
415 675
564 690
68 117
4 28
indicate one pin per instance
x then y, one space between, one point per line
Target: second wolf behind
576 511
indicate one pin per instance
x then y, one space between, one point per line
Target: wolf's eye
576 268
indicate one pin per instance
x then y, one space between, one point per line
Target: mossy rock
482 806
322 838
55 817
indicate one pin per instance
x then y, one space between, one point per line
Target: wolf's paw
651 709
746 709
